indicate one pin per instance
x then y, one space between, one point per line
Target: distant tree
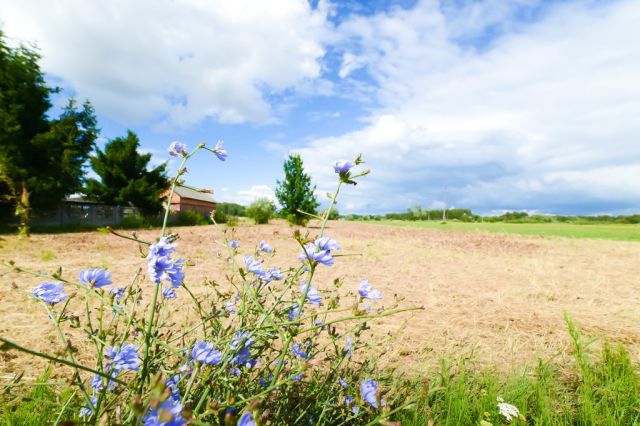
125 176
41 160
232 209
261 210
295 193
334 214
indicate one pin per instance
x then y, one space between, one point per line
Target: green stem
8 344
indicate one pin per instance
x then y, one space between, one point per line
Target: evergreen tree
125 176
295 193
41 160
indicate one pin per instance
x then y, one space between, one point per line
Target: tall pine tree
295 193
41 160
125 176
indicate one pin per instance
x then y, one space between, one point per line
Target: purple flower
265 247
313 296
326 243
219 150
169 293
348 400
246 420
172 384
297 377
234 243
177 148
203 351
343 166
310 252
365 290
95 277
124 358
368 390
343 383
50 293
298 351
117 293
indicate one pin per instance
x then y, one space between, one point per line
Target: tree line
44 159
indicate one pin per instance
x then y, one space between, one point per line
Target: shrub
261 210
271 348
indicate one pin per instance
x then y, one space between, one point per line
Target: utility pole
444 210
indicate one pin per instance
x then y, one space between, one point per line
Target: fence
82 213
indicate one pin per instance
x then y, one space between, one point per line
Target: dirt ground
498 297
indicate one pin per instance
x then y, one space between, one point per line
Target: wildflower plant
273 347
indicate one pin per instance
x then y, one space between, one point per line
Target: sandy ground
498 297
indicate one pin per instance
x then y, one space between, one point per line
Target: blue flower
273 274
117 293
310 252
87 410
177 148
368 390
96 382
172 384
295 313
50 293
326 243
298 351
265 247
343 383
343 166
203 351
158 417
162 248
367 291
313 296
348 400
161 266
297 377
219 150
241 339
246 420
243 358
349 346
253 265
169 293
234 243
230 306
95 277
124 358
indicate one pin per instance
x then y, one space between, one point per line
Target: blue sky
506 105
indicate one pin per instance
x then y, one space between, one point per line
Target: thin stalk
12 345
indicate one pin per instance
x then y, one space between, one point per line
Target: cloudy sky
506 105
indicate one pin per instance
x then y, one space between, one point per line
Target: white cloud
247 196
545 117
175 62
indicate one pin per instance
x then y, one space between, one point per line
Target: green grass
621 232
590 389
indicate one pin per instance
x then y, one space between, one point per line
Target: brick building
188 199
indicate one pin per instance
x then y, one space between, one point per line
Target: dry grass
501 297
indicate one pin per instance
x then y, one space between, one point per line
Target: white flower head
507 410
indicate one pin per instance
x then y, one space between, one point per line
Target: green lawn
607 232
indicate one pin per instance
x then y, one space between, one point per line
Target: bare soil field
495 297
